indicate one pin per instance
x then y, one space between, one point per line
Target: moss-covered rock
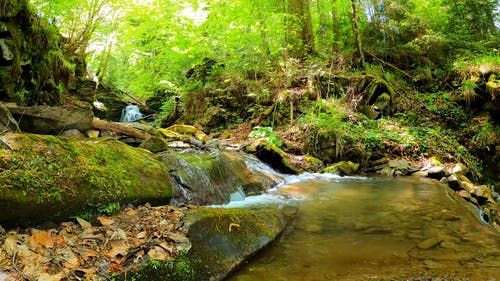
210 178
50 178
271 154
221 240
343 168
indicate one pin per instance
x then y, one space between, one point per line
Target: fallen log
119 128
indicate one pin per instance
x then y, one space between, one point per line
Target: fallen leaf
49 277
83 223
177 237
69 259
158 253
141 235
114 267
118 247
43 238
106 221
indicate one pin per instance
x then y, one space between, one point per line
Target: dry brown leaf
69 259
130 212
83 223
158 253
106 221
118 247
87 253
142 235
43 238
49 277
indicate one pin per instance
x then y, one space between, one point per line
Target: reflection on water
378 229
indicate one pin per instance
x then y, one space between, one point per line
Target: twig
4 141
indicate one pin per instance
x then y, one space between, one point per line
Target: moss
221 239
343 168
47 177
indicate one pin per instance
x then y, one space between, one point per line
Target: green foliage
267 133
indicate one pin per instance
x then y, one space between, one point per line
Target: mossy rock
271 154
343 168
221 240
204 178
313 163
183 129
154 144
49 178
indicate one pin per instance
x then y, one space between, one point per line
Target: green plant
468 92
267 133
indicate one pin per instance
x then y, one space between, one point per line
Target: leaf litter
81 251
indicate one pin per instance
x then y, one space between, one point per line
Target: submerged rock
50 178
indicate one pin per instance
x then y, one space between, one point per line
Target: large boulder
49 178
51 120
221 240
205 178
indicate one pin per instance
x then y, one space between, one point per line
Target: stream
374 229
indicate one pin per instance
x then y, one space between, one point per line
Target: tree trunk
357 34
335 26
299 25
119 128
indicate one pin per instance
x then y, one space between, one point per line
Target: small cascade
238 195
131 113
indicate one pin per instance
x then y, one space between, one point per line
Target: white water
131 113
284 193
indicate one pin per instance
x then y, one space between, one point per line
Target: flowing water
375 229
131 113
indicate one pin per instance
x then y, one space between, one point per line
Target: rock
420 174
271 154
7 121
154 144
459 169
183 129
73 133
436 172
386 171
312 163
205 178
453 182
400 167
465 183
343 168
482 193
93 134
429 243
51 178
221 239
51 120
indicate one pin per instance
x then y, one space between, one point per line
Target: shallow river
377 229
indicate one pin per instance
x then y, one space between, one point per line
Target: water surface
377 229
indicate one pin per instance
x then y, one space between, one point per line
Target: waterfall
131 113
